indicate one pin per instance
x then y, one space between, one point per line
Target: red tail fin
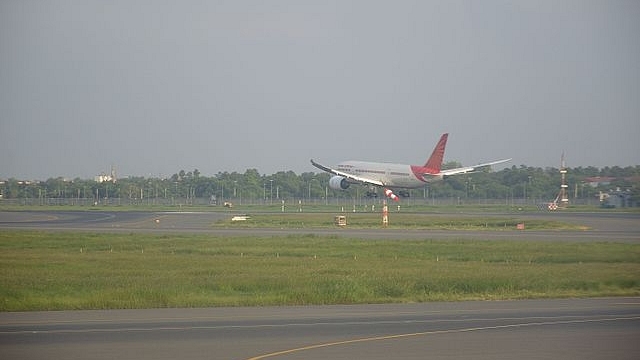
435 160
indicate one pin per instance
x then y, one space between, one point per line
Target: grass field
402 220
57 270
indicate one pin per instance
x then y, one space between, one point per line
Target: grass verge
399 221
56 271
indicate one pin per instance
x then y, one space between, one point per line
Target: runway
616 227
607 328
534 329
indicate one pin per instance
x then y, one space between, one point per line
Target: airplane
395 176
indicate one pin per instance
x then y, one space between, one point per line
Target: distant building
106 178
596 181
616 199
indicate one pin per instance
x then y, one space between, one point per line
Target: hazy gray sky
154 87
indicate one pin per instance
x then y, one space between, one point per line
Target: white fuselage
391 175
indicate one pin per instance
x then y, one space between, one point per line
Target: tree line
521 182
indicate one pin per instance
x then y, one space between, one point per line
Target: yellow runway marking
435 332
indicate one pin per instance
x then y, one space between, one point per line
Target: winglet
321 167
434 162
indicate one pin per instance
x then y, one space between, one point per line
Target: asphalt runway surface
599 226
607 328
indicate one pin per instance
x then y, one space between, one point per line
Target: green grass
400 221
56 271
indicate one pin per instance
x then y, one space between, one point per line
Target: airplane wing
356 179
467 169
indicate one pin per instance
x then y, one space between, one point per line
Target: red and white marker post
385 213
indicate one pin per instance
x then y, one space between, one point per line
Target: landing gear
372 193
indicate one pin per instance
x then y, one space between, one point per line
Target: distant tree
516 182
451 165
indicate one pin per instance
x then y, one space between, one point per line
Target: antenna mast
564 199
562 195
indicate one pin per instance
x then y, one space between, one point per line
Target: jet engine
339 183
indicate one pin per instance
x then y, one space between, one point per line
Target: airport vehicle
391 176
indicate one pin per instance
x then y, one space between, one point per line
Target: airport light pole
310 189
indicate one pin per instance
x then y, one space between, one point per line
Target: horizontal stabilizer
468 169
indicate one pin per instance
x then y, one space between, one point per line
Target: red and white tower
564 198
